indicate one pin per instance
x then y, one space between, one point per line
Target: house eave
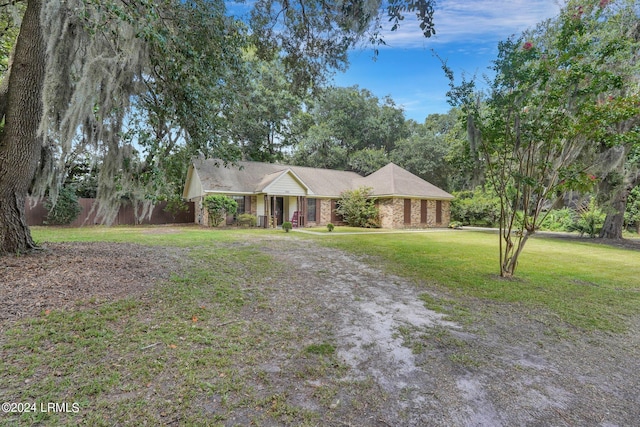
244 193
410 196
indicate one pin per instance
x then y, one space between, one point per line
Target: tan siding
286 185
195 187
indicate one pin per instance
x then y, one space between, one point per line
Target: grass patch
178 236
590 286
323 349
345 229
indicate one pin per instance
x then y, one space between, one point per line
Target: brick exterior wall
325 211
392 213
387 209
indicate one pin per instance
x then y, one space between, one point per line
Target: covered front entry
283 195
279 209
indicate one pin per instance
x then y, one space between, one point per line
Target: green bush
66 209
247 219
589 220
286 226
330 227
559 220
478 207
218 207
357 208
632 212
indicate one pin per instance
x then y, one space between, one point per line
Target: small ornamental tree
218 207
357 207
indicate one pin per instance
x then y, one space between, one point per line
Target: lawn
190 342
589 285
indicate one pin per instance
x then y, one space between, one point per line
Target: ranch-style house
307 196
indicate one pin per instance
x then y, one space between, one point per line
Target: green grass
179 236
590 286
345 229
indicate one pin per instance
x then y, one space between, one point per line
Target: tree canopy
350 128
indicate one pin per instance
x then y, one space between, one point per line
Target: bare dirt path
404 365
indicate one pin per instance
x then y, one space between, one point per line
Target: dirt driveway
404 365
503 365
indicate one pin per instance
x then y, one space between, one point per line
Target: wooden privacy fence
37 215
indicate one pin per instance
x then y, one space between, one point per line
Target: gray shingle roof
392 180
253 177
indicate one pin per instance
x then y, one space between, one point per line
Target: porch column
301 211
273 219
266 211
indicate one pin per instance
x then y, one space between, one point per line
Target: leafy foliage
478 207
263 112
589 220
247 219
350 129
65 210
9 27
314 36
632 213
558 220
426 150
218 207
368 160
358 208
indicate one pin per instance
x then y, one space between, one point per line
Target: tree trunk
20 146
614 222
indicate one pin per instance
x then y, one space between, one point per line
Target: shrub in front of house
247 219
287 226
357 207
218 207
330 227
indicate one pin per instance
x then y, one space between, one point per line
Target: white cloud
474 21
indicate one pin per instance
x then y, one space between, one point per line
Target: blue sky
467 36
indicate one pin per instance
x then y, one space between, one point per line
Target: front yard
192 326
